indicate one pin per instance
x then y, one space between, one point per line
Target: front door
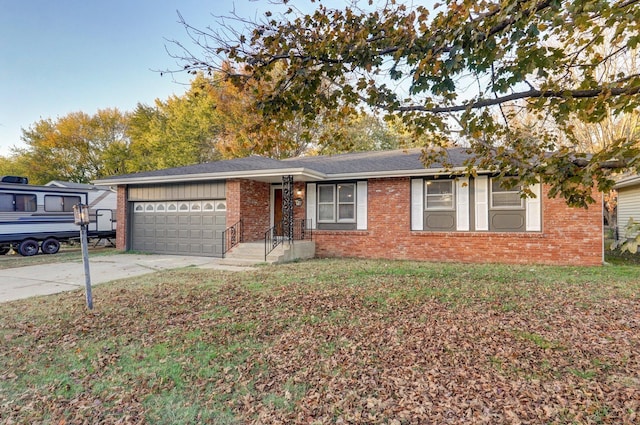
277 211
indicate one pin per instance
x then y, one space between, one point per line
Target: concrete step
249 253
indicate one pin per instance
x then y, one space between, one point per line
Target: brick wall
570 236
121 218
249 200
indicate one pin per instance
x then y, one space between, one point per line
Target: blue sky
63 56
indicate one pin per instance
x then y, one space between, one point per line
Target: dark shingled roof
358 162
226 166
377 161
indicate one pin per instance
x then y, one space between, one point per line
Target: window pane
6 202
325 212
325 194
507 199
439 202
346 193
506 184
53 203
439 187
503 197
26 203
346 212
69 202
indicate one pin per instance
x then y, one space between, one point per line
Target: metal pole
85 262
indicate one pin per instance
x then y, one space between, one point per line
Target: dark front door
277 211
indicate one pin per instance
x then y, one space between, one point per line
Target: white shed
628 201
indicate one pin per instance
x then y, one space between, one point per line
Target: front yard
331 341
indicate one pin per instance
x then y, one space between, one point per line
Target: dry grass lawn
331 342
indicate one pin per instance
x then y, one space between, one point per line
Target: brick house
382 204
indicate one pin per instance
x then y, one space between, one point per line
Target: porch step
250 253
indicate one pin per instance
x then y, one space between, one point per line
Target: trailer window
6 202
26 203
60 203
10 202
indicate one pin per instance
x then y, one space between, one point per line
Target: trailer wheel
28 247
50 246
4 249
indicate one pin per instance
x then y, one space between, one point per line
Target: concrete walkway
45 279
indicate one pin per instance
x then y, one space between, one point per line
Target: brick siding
121 218
249 200
570 236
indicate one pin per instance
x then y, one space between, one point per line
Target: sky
63 56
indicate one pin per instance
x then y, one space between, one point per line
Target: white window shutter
534 221
311 204
361 211
462 204
482 202
417 204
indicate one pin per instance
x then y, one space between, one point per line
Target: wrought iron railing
231 237
281 233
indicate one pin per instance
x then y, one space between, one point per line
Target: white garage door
179 227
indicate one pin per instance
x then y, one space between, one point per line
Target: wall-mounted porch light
298 200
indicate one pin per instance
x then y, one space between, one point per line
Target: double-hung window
505 194
337 203
439 195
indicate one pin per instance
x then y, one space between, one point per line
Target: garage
179 227
164 220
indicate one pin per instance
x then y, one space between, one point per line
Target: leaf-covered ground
331 342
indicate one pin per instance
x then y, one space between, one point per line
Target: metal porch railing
231 237
279 233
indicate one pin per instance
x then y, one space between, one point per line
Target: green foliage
179 131
466 68
631 239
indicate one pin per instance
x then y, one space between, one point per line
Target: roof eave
304 173
398 173
630 181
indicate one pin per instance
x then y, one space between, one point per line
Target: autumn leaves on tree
545 90
462 72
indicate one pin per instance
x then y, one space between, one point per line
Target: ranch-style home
382 204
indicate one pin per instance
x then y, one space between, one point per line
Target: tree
450 72
175 132
77 147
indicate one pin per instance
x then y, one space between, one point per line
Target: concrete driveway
45 279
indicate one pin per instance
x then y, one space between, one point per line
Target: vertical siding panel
628 207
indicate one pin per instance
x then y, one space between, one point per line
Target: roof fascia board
312 174
630 181
399 173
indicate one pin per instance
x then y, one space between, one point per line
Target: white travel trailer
38 218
